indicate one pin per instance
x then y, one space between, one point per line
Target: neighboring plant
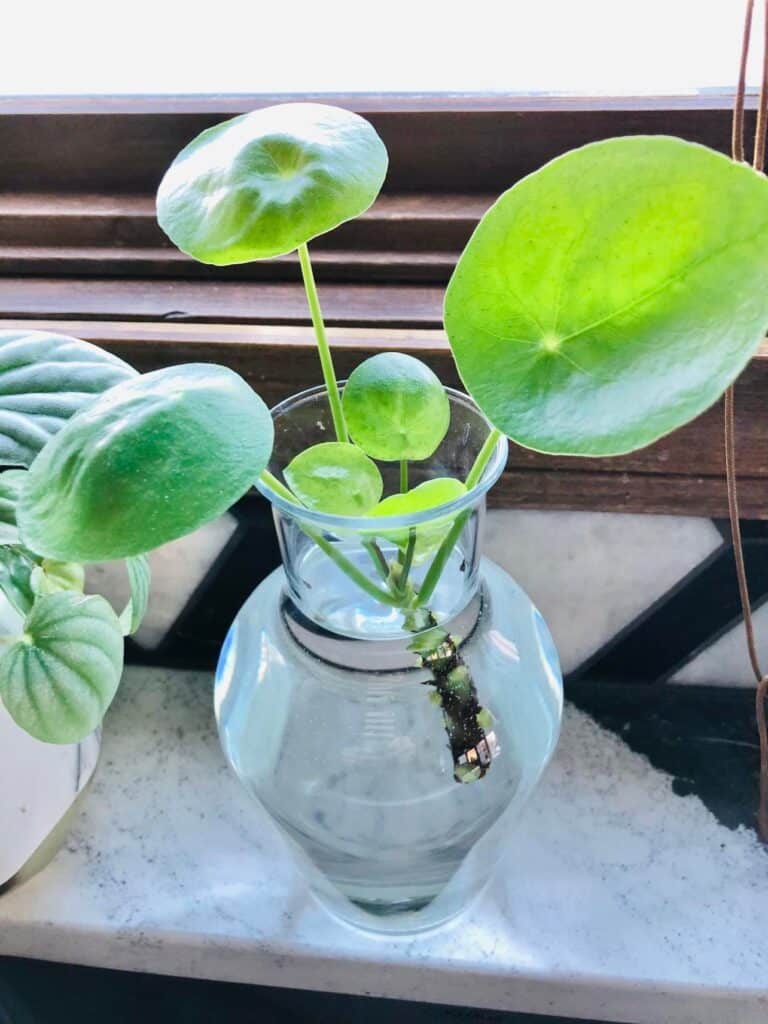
114 464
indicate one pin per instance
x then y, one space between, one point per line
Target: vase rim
330 522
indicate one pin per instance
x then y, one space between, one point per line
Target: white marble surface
591 573
617 900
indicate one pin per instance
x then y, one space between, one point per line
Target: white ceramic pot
41 782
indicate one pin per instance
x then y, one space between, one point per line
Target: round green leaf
45 379
264 183
396 408
336 478
149 461
613 295
58 680
430 494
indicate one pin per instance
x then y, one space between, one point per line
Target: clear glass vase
389 696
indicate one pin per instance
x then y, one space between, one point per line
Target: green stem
341 561
352 571
407 562
440 560
326 361
377 557
403 475
278 487
481 461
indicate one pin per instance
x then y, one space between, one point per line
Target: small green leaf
140 578
10 488
44 380
396 408
336 478
50 577
264 183
58 680
147 462
613 295
430 494
16 569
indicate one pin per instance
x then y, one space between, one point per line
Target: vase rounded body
394 742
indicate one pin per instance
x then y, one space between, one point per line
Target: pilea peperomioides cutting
602 302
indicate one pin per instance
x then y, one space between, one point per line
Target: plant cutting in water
602 302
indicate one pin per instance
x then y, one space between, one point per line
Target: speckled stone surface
616 899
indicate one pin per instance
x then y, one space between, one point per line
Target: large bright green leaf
395 407
151 460
264 183
10 489
58 680
45 379
336 478
613 295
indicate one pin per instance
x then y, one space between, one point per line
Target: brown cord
730 440
737 135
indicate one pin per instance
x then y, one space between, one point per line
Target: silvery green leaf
59 678
10 486
44 379
16 569
140 578
150 461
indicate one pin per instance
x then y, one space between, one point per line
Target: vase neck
362 651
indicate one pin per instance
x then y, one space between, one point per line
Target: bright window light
618 47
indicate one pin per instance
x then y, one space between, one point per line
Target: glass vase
389 696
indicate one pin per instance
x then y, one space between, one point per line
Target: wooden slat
682 473
143 261
418 221
403 237
435 143
216 302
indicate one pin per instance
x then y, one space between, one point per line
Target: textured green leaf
336 478
10 489
140 578
151 460
396 408
16 569
429 495
264 183
44 380
613 295
58 680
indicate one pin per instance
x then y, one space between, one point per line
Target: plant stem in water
468 725
326 361
403 475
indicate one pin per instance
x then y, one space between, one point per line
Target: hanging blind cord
730 441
